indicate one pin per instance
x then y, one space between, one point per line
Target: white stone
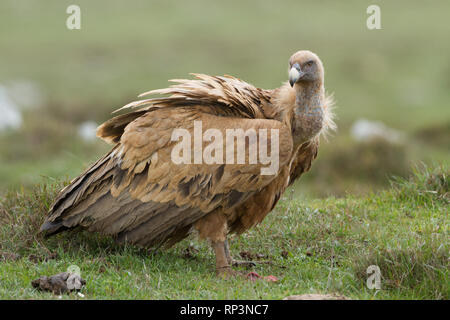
87 131
10 115
365 130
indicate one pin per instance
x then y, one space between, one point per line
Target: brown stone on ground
59 283
314 296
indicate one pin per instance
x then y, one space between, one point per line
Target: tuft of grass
423 268
21 215
426 185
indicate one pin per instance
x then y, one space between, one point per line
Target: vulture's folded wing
303 159
139 193
219 95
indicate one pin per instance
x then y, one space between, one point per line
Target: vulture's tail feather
51 228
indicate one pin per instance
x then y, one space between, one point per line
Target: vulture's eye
309 63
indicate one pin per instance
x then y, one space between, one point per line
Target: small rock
74 282
59 283
87 131
11 116
365 130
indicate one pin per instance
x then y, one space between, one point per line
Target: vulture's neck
301 108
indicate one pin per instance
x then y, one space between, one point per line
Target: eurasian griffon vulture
144 192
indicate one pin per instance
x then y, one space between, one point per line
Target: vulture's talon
244 263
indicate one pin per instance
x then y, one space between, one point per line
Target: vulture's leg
214 228
234 262
227 252
222 265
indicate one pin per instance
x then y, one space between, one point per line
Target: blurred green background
61 80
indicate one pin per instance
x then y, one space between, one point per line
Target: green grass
315 246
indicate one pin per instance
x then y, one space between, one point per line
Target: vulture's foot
235 263
223 265
243 263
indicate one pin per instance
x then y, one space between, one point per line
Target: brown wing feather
137 193
255 208
303 159
112 130
218 95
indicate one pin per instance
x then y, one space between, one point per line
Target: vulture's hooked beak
295 73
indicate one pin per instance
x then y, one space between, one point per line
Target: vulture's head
305 66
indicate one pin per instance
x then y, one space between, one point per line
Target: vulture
175 169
